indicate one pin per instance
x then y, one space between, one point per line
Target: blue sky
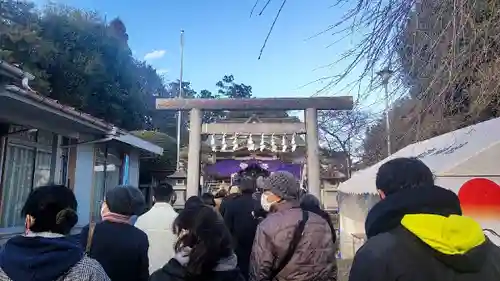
221 38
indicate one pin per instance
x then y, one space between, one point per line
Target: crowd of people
267 230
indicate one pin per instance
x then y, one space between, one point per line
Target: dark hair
163 192
401 173
208 199
206 235
193 201
53 207
312 204
221 193
247 184
310 201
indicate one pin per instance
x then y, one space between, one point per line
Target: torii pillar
313 164
310 105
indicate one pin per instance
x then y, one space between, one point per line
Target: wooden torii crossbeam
310 105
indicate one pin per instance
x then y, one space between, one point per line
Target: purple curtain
225 168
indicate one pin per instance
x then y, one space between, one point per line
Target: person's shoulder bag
297 235
90 236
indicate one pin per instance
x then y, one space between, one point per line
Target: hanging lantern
224 144
274 148
283 144
212 143
235 142
294 145
262 143
250 144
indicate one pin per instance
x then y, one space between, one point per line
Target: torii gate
310 128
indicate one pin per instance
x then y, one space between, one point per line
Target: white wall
84 173
353 209
133 170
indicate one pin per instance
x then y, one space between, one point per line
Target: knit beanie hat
283 184
125 200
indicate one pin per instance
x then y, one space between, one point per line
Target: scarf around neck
115 217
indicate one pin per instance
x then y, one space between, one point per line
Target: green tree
159 166
119 30
166 120
93 70
79 60
19 33
210 116
229 89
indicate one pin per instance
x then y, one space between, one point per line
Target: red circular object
480 196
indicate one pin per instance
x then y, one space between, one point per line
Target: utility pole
179 113
386 74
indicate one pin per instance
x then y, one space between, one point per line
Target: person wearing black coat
239 215
417 232
120 247
312 204
203 250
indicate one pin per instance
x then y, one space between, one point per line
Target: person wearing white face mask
290 243
268 199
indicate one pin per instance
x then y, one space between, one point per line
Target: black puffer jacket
239 215
419 234
174 271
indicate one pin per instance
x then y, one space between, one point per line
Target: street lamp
179 113
386 74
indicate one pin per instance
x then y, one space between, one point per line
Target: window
17 184
27 164
125 169
42 168
107 170
65 161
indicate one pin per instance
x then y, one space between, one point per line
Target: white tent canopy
468 152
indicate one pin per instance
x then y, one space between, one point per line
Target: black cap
125 200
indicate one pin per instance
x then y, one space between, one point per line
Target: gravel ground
344 266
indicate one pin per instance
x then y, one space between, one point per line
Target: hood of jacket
38 258
387 214
457 241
